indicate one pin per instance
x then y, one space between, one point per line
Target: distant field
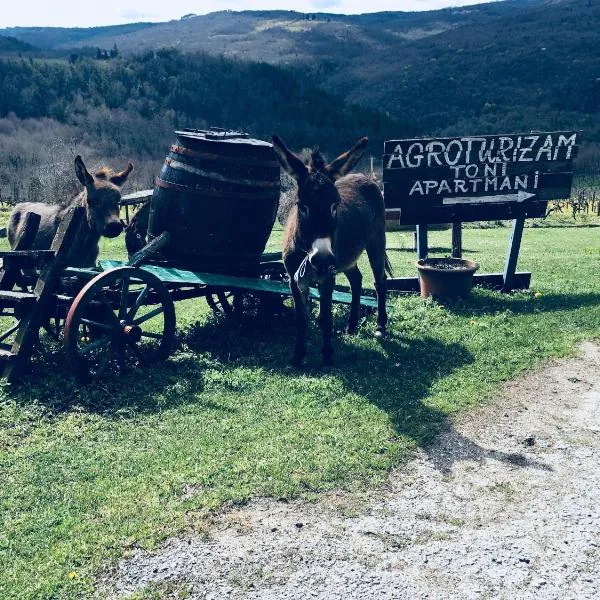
90 473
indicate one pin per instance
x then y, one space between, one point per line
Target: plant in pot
446 277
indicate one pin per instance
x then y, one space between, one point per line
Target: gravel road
506 504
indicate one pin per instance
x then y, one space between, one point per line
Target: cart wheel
222 301
228 302
269 303
122 317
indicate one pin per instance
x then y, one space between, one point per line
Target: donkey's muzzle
321 257
113 229
323 263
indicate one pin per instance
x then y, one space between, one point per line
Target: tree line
189 90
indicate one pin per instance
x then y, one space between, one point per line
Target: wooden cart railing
31 308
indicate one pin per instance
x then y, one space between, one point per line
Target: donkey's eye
334 210
303 210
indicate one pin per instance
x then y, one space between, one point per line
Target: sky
82 13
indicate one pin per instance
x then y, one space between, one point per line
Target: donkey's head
102 196
318 199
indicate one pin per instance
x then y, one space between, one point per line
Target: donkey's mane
103 173
317 160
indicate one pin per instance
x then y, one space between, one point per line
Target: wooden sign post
477 178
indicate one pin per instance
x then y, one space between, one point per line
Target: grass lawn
88 473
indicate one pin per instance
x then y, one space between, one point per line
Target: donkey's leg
355 278
326 317
292 263
301 312
377 260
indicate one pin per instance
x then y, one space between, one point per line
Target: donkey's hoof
380 334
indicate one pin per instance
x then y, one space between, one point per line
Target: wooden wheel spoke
9 331
97 325
124 297
138 302
108 310
149 315
103 341
151 334
113 317
51 332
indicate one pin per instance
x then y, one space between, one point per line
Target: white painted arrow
521 196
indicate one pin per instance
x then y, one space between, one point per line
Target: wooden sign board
478 178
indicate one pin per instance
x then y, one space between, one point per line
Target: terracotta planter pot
446 277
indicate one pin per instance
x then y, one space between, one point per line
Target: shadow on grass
485 302
396 376
160 387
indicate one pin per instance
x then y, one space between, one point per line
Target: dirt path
506 505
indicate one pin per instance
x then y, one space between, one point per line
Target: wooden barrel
217 196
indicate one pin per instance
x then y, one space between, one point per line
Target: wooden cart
118 315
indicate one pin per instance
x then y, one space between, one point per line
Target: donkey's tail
388 266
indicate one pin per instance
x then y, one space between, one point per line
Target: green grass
89 473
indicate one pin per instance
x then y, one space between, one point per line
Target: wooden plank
26 253
150 249
230 282
421 241
412 215
10 272
457 240
270 256
434 175
44 289
512 255
12 297
137 197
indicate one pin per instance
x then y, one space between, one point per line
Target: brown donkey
336 216
100 197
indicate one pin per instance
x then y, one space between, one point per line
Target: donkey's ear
82 173
344 163
291 163
120 178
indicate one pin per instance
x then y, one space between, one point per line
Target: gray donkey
100 198
335 217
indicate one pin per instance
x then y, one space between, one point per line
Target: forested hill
49 38
11 45
134 103
276 35
502 66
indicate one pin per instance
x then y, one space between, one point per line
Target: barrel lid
218 134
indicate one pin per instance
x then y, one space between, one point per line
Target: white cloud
75 13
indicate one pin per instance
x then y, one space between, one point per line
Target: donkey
100 197
335 217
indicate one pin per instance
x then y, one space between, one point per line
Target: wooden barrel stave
218 200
